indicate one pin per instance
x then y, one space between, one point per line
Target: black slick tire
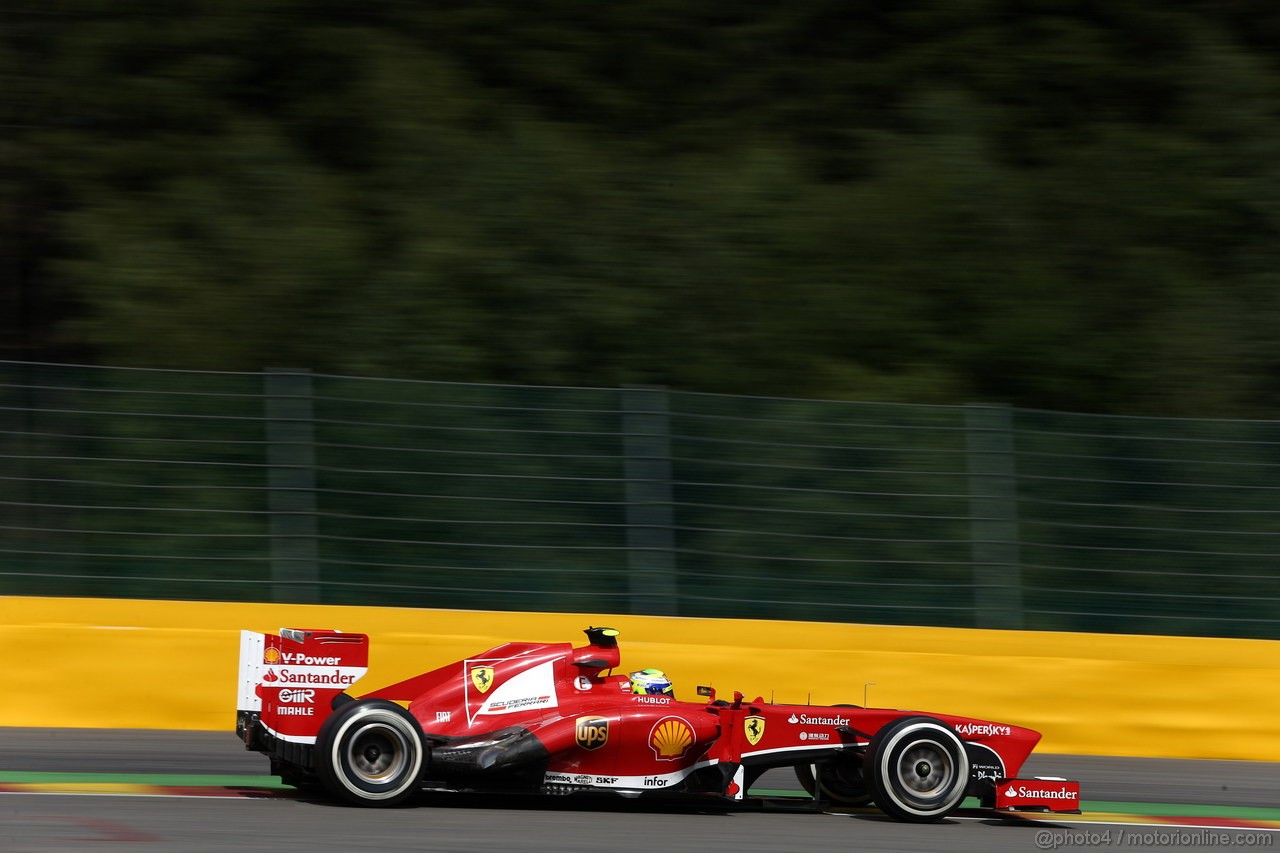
839 780
917 769
371 752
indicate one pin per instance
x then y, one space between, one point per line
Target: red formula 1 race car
552 719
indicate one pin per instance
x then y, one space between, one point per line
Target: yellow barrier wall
172 665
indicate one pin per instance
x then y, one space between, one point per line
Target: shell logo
670 738
271 656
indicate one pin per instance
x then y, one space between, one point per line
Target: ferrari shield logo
754 728
482 678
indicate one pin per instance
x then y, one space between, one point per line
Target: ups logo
592 732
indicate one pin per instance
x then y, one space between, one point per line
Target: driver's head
651 681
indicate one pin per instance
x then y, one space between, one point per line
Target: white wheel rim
377 752
926 769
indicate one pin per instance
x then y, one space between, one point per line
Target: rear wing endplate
289 680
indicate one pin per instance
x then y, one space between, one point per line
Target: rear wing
289 681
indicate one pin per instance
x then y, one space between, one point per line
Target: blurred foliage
1068 205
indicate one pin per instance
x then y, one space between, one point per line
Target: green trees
1072 207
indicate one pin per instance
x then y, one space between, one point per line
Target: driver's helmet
651 681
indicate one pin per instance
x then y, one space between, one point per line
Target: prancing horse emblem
754 728
482 678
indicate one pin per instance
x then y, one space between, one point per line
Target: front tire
839 780
917 769
371 752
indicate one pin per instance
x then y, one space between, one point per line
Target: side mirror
709 692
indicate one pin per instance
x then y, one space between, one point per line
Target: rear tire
917 769
371 752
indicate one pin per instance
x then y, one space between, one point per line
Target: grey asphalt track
40 824
37 823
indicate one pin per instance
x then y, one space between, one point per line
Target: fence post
993 513
651 568
292 480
